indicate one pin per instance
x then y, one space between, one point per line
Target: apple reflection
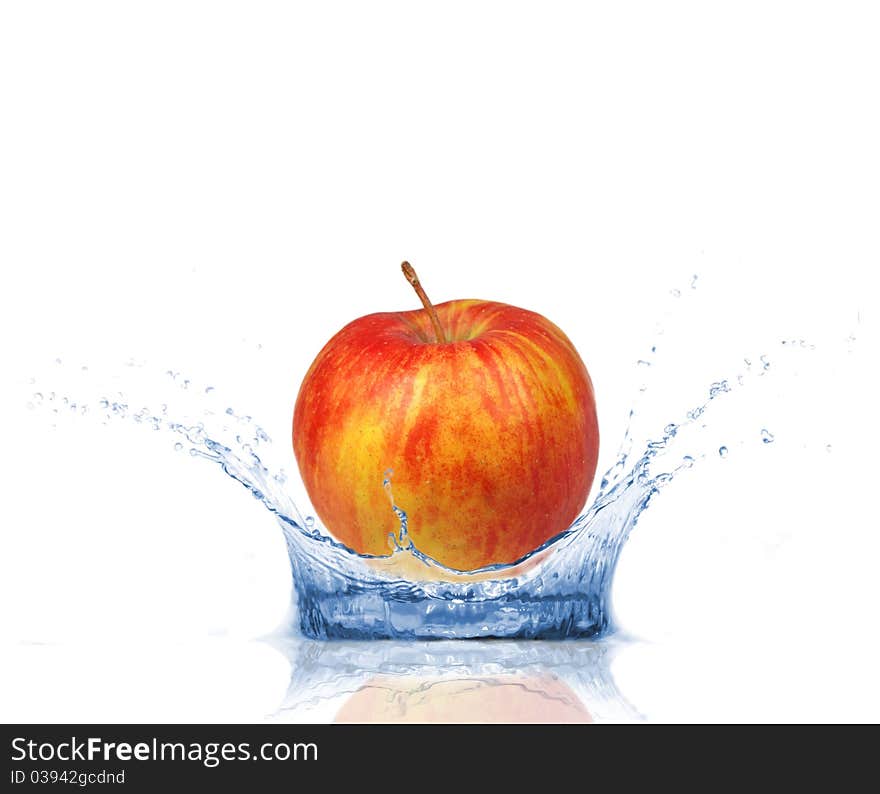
505 698
452 682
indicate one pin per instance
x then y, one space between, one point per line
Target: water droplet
767 437
230 412
186 384
676 293
178 446
828 447
719 387
38 397
765 364
687 461
57 360
642 363
653 348
694 281
722 451
209 389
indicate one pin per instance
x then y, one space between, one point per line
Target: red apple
484 412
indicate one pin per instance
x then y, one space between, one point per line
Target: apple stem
410 272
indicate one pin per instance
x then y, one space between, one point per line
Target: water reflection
452 681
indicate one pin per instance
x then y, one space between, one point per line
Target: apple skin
491 436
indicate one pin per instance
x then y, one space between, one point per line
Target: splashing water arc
561 589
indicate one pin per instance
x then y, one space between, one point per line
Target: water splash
400 541
561 589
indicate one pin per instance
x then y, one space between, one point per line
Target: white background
216 188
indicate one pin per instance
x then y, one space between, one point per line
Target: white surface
182 182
